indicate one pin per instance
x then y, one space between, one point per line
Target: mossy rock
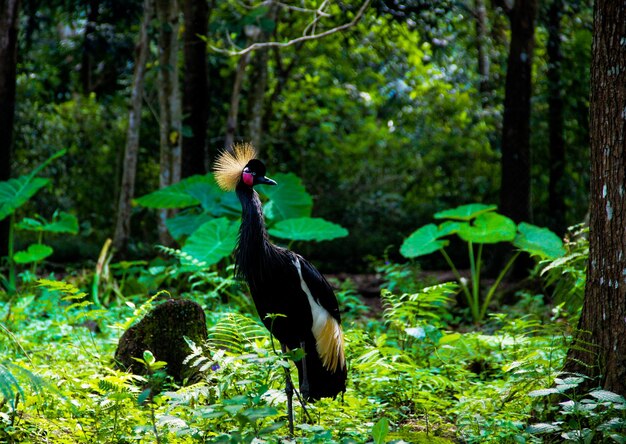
162 331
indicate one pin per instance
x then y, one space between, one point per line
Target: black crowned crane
284 283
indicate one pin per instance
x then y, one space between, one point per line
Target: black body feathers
282 282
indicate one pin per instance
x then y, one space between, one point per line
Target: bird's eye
253 173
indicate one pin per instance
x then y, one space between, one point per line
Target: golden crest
229 165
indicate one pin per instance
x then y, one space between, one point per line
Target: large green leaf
185 224
34 253
538 241
213 241
16 192
465 212
307 229
488 228
62 222
173 196
449 227
288 199
211 197
424 240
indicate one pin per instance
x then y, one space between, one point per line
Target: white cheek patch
326 330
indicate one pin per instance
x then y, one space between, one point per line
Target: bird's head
240 167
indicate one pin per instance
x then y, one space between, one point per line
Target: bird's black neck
254 246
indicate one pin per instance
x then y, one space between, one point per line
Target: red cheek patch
248 179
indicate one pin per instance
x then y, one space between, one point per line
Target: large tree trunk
556 191
515 187
8 62
127 191
169 105
195 88
599 348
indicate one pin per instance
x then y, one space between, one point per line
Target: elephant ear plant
478 225
14 193
207 223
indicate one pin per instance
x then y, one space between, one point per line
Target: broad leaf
423 241
288 199
488 228
173 196
544 392
185 224
607 396
213 241
465 212
543 428
34 253
307 229
449 227
380 431
206 191
16 192
62 222
538 241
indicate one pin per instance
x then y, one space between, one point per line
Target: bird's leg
289 393
304 385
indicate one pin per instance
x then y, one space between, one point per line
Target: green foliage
567 274
393 130
212 241
288 199
307 229
430 383
209 227
479 224
596 416
34 253
15 193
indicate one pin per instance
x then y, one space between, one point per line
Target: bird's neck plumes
253 246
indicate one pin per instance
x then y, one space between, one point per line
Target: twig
304 38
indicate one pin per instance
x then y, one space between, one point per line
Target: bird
293 299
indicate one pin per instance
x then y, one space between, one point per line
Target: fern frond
69 291
235 332
10 387
183 257
429 303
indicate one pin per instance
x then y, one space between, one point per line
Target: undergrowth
412 377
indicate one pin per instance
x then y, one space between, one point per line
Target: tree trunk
233 111
169 105
87 60
480 12
256 98
127 191
258 85
195 88
599 348
8 63
515 186
556 189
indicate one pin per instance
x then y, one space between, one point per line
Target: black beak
265 181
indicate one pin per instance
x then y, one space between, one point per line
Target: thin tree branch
304 38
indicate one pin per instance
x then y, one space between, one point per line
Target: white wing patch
326 330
